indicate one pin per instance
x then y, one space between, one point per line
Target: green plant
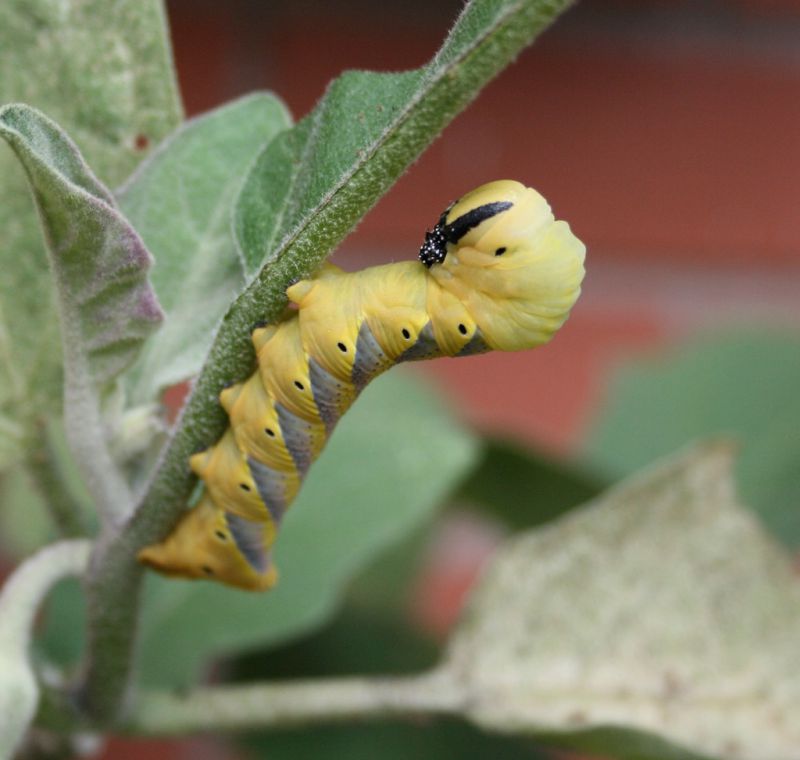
83 362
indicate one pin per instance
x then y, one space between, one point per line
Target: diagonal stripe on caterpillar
497 272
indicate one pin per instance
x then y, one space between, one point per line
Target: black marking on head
342 347
220 535
299 385
500 251
270 432
462 328
406 334
244 486
461 226
434 249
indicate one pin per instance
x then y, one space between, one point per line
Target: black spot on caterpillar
463 298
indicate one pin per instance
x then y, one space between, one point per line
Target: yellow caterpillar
497 273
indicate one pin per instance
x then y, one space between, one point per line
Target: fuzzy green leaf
180 201
393 459
662 608
103 70
106 305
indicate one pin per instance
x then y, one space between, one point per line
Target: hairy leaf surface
104 72
662 607
106 307
180 200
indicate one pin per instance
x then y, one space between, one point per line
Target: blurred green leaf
439 740
620 744
385 585
355 641
744 384
662 607
63 638
180 201
106 307
392 460
24 521
524 488
103 70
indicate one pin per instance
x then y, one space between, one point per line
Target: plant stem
295 703
30 582
19 601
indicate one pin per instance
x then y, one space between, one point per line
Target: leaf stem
294 703
19 601
30 582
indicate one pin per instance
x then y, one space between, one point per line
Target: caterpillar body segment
497 272
208 542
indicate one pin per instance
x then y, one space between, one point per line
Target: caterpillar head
516 269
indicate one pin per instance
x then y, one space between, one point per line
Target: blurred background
667 133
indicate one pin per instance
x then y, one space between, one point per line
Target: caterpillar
497 272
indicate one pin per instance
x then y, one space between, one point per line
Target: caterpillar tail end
201 547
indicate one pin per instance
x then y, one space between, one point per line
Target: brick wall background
666 133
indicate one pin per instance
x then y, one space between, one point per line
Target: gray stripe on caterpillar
271 486
425 347
476 345
328 392
297 437
249 538
370 359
